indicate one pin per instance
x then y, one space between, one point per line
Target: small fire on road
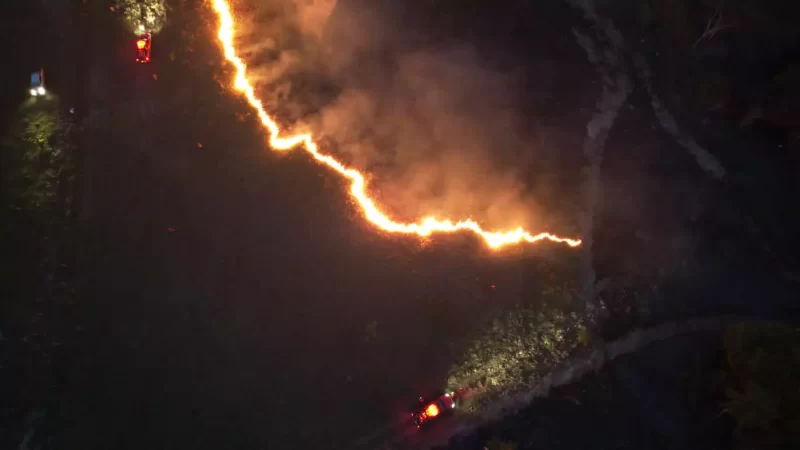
358 184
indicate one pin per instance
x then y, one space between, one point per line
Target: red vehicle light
432 410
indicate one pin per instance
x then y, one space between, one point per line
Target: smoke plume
437 129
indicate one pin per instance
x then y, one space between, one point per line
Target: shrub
151 14
762 378
518 348
498 444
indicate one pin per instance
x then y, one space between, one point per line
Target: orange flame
432 410
358 185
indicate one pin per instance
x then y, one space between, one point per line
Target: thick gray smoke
439 132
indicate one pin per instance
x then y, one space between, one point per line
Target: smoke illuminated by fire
358 185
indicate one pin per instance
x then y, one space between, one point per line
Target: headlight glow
40 90
33 92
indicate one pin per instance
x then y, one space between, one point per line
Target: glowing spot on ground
358 184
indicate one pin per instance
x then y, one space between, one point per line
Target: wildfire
358 185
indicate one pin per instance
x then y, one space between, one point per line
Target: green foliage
34 157
152 14
584 336
762 379
498 444
559 294
518 347
38 129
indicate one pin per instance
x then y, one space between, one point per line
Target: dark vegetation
39 182
731 65
734 389
736 62
40 151
521 345
760 378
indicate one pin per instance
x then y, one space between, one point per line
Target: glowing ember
358 185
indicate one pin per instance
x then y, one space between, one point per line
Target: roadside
718 387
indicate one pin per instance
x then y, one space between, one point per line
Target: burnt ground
228 294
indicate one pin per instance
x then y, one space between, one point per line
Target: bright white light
33 92
141 27
40 90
